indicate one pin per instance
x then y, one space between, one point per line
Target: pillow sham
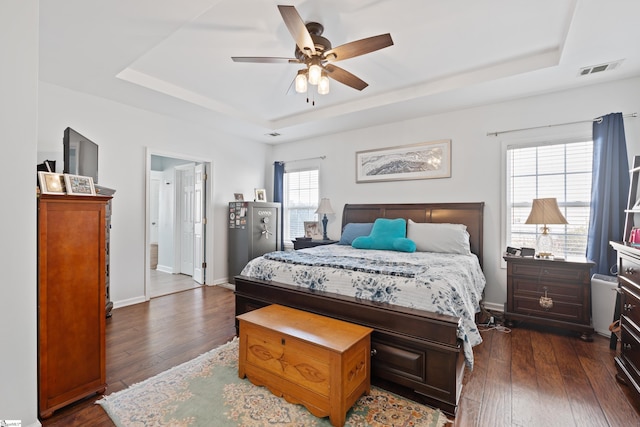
439 237
386 234
353 230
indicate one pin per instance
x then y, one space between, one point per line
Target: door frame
208 211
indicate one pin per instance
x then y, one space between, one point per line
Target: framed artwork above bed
425 160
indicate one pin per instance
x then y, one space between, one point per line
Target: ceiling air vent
274 134
600 68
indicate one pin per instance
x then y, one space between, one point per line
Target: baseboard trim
491 306
130 301
227 285
164 269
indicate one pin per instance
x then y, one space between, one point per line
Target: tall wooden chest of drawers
317 361
628 358
550 292
71 299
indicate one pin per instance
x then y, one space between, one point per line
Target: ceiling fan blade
358 47
345 77
265 59
298 29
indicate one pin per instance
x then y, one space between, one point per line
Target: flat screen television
80 155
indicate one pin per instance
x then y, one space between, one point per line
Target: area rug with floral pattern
206 391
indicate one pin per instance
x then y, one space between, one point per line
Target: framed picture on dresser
79 185
51 183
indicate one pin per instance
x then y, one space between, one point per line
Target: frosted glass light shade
315 72
323 85
301 81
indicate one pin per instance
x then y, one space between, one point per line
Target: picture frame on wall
78 185
51 183
260 195
425 160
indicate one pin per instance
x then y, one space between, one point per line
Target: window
560 170
301 196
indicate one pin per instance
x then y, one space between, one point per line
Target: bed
417 350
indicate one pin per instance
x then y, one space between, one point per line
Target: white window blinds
562 171
301 196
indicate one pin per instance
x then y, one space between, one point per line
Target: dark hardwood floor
529 377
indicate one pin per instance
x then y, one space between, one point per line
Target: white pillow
435 237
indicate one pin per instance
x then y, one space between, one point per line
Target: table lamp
324 209
545 211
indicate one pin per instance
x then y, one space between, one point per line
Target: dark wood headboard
469 214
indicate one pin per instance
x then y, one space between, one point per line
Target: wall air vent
593 69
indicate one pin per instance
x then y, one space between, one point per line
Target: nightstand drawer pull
626 346
628 307
629 270
545 301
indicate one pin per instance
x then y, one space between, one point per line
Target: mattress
450 284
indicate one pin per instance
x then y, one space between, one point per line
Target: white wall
18 121
123 133
476 157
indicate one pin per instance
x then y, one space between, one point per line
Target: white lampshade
324 207
301 81
323 85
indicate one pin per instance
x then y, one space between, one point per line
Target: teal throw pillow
386 234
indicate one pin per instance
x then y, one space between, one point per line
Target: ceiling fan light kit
316 53
301 81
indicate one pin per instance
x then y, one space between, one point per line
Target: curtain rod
303 160
597 119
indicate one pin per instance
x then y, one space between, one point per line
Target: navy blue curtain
278 195
609 191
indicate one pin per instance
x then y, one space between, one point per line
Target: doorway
176 242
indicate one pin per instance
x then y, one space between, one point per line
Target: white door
199 224
186 219
154 205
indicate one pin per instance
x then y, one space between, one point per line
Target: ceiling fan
316 53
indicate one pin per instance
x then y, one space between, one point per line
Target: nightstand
550 292
302 244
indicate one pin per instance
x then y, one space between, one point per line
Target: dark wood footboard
412 350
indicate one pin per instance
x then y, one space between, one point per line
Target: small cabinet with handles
550 292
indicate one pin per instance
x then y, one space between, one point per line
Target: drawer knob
630 270
374 352
628 307
626 346
545 301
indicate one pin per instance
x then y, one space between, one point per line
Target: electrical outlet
491 320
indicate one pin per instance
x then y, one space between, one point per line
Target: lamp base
324 227
544 244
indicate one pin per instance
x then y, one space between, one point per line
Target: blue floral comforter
442 283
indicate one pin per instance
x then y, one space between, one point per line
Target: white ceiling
174 57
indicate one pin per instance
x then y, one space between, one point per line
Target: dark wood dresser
628 359
550 292
71 299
